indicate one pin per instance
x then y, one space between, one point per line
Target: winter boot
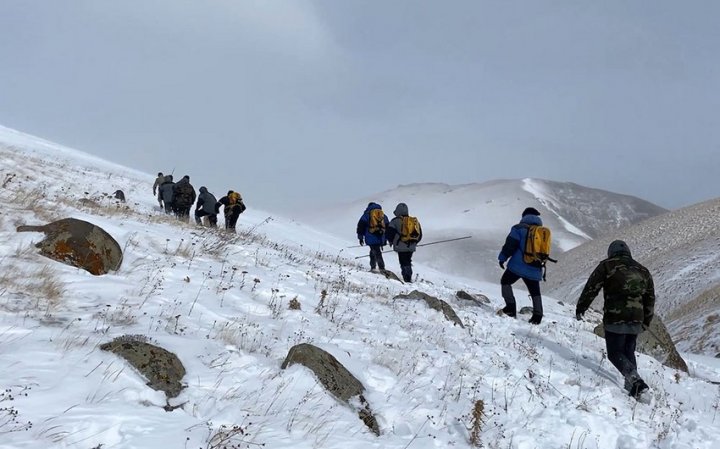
535 319
510 308
637 388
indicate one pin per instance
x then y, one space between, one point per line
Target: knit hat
618 248
530 211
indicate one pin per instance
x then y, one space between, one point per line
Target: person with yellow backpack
371 231
234 206
526 249
404 233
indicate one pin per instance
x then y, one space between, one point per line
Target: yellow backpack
410 230
537 245
234 198
376 223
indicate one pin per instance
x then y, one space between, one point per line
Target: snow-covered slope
682 251
486 212
220 303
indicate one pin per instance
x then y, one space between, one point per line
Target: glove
502 264
362 242
578 316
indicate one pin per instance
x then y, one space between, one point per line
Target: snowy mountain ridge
486 211
222 304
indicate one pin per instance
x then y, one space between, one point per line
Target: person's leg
199 213
213 220
379 258
373 256
506 281
405 260
234 215
617 345
534 290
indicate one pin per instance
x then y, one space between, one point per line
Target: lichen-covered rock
434 303
657 343
478 298
334 377
80 244
162 369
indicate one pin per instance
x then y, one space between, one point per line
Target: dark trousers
405 260
169 208
621 352
232 218
212 218
376 257
182 212
509 278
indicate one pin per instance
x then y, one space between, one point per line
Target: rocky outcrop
334 377
80 244
434 303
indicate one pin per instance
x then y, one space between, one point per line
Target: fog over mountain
486 212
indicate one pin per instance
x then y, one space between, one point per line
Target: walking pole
424 244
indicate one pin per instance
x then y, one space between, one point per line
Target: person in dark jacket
166 191
517 268
234 206
183 198
205 207
405 248
156 188
373 236
629 294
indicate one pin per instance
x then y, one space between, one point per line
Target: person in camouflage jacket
183 198
629 294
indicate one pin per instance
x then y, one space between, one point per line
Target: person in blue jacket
517 268
374 238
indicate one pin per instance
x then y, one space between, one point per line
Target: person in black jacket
234 206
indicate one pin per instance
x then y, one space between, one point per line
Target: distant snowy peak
486 211
586 211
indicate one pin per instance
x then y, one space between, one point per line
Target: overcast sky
303 103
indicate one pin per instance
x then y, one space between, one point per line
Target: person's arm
592 288
649 302
390 233
512 243
362 226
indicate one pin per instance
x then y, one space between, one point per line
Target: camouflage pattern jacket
628 290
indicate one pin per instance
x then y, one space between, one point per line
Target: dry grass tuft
476 423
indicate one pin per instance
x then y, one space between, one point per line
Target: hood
401 210
531 220
372 206
618 248
203 189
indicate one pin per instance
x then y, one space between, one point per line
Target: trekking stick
423 244
445 241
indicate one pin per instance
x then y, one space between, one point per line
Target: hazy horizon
320 102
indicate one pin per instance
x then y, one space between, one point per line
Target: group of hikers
628 287
178 197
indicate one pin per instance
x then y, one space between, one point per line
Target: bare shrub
294 304
476 423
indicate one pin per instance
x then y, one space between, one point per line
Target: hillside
222 304
682 251
486 211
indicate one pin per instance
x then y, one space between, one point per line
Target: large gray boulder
80 244
334 377
162 369
434 303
